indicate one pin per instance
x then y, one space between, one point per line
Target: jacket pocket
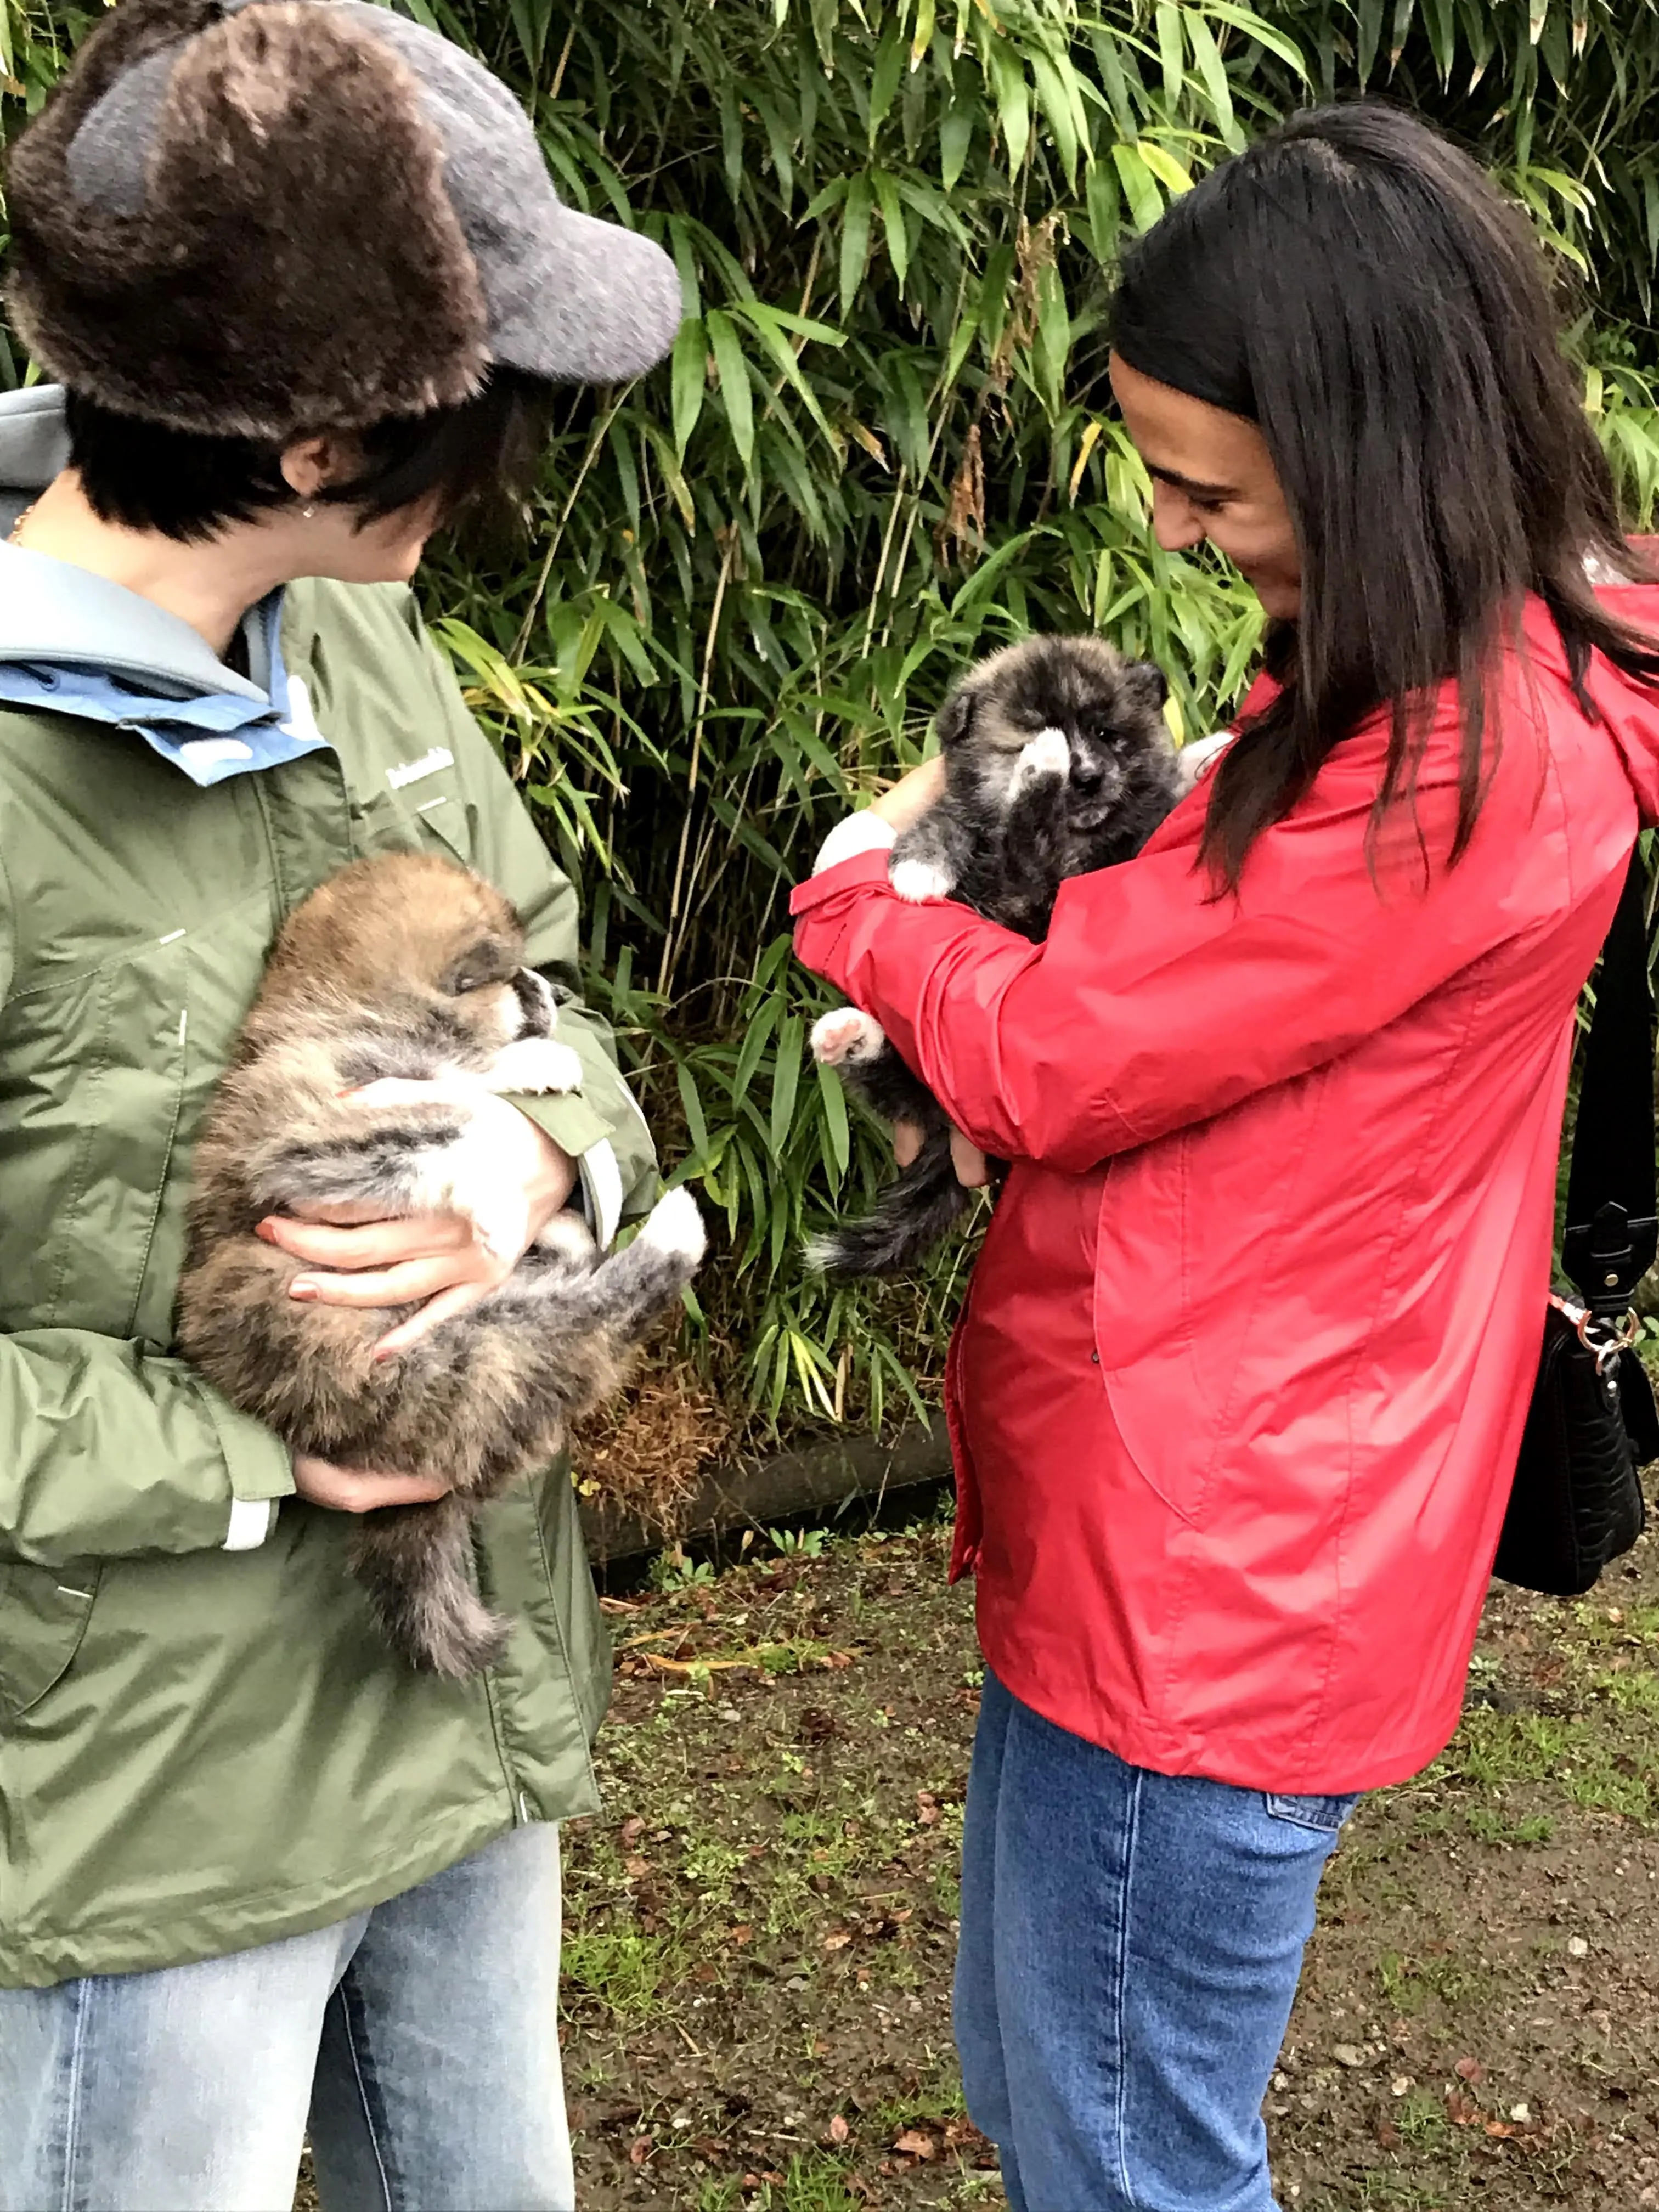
45 1611
108 1076
1326 1814
429 815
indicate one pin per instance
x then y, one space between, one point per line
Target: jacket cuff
864 832
261 1472
251 1520
602 1191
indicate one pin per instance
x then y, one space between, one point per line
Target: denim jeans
1130 1947
421 2039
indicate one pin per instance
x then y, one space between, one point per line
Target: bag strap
1612 1233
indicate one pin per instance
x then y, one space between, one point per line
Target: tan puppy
407 966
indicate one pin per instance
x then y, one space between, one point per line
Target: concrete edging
756 1493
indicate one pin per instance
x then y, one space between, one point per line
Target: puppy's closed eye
481 968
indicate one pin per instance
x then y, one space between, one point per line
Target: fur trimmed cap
265 217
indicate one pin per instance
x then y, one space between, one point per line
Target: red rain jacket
1238 1390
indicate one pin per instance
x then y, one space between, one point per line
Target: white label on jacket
412 771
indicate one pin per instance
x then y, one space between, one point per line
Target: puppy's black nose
1085 770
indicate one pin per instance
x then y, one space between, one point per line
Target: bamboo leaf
1213 73
786 1080
1086 445
1170 50
836 1134
923 36
1013 101
733 372
1054 99
1165 166
688 380
956 136
1139 188
892 224
855 239
691 1099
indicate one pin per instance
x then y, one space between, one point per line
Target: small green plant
798 1543
674 1570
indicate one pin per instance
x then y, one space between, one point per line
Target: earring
309 513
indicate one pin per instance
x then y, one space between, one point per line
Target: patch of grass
1597 1768
621 1969
1409 1985
817 2183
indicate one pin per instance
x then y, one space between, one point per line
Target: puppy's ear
1145 684
955 719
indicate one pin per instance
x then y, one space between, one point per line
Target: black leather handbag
1576 1502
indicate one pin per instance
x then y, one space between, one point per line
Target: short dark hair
1358 288
189 486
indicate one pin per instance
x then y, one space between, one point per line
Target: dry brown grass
644 1456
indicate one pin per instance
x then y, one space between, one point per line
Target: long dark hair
1358 287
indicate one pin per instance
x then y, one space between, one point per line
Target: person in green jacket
307 285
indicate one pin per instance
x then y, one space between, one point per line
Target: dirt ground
759 1934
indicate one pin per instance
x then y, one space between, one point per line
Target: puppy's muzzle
535 1003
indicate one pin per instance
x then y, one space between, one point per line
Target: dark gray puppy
1057 761
407 966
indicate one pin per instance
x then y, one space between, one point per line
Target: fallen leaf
915 2144
632 1830
640 2149
837 1940
1578 1947
741 1934
839 2130
1348 2054
1470 2069
635 1867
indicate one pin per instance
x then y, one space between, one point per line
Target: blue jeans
1130 1943
422 2038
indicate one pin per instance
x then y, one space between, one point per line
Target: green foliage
882 446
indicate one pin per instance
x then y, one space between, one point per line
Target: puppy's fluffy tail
416 1563
906 1222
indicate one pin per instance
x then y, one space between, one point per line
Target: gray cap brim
569 297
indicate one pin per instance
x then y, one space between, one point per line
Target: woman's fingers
348 1490
374 1244
443 1307
907 1142
404 1284
973 1172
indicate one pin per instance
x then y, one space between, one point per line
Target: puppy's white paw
1046 759
675 1226
536 1064
1198 757
847 1037
918 881
569 1236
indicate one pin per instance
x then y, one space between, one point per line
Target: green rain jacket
203 1743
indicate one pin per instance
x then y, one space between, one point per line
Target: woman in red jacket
1240 1386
